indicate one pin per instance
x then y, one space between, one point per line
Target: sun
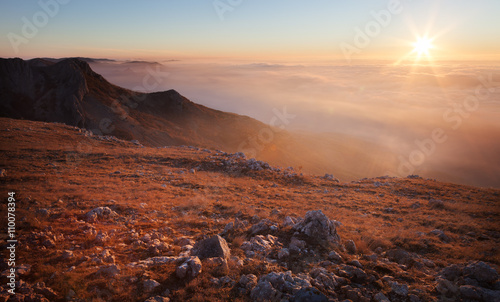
422 46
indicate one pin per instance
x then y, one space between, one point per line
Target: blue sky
251 28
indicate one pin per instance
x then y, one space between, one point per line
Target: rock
219 263
399 289
354 273
67 254
107 257
324 280
451 272
283 253
334 256
215 246
399 256
470 292
49 243
380 297
190 268
446 287
149 285
264 291
316 225
99 212
23 269
262 227
441 235
101 237
289 221
157 299
226 281
110 270
45 291
413 298
350 246
309 294
248 282
481 271
355 263
296 245
260 243
436 204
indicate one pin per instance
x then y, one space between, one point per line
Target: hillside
68 91
103 219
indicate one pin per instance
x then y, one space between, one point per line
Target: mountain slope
106 217
68 91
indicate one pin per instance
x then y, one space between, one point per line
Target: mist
437 120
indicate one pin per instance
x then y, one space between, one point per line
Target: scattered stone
350 246
215 246
334 256
49 243
309 294
399 289
380 297
149 285
99 212
190 268
446 287
399 256
481 271
260 243
67 254
316 225
441 235
109 270
264 291
219 263
296 245
289 221
248 282
283 253
263 227
436 204
470 292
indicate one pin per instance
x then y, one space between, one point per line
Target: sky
350 69
249 29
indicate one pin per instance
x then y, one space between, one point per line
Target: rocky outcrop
215 246
317 226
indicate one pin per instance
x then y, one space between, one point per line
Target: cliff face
70 92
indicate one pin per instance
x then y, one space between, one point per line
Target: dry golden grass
154 190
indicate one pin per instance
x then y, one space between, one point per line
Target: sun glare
422 46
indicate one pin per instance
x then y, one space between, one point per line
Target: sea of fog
439 120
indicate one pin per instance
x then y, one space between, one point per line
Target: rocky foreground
101 219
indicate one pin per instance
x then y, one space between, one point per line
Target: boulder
248 282
316 225
309 294
99 212
215 246
481 271
264 291
149 285
350 246
190 268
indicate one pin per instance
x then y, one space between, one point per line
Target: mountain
70 92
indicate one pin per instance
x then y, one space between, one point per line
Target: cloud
392 106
